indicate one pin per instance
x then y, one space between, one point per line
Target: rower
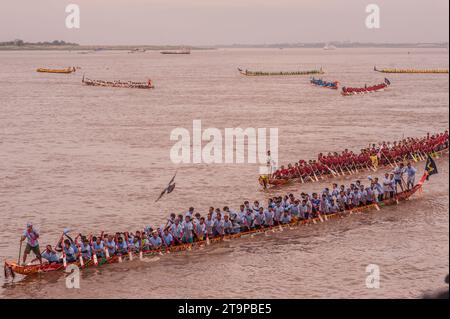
218 226
155 240
31 235
200 228
167 237
227 225
122 247
269 216
98 247
286 217
111 245
50 255
86 251
69 252
188 236
259 218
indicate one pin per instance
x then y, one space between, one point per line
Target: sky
213 22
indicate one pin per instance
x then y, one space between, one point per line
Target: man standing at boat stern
31 235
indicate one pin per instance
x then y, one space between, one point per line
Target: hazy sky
208 22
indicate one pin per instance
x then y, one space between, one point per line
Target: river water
95 159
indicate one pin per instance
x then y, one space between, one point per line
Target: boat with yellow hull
419 71
59 71
13 267
281 73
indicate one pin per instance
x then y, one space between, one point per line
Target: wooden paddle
20 251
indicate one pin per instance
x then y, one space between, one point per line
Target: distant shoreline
337 45
37 47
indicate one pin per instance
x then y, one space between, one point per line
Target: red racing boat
346 91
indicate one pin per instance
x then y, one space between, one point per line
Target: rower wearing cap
31 235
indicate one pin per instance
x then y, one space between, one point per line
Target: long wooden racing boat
267 182
12 267
346 91
59 71
263 73
424 71
119 84
325 84
184 51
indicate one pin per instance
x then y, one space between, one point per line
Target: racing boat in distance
325 84
119 84
182 51
346 91
281 73
423 71
58 71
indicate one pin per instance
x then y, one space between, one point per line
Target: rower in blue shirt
50 255
167 237
69 251
98 247
86 251
122 247
111 245
155 240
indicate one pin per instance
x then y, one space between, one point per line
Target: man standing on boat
398 176
31 235
411 173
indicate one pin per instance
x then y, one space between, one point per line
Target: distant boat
329 47
183 51
137 50
265 73
59 71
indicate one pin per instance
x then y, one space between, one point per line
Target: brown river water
94 159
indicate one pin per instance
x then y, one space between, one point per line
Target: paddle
20 251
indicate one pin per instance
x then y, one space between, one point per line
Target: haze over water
94 159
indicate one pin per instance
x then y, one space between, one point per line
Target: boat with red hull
347 91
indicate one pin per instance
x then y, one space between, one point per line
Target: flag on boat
169 189
430 167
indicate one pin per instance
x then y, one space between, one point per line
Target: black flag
430 167
169 189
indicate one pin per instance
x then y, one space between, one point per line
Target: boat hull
294 73
57 71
